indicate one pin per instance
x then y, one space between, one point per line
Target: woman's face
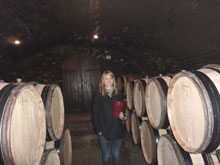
108 81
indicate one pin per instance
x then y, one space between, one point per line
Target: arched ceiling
172 34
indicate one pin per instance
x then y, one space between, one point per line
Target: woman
110 130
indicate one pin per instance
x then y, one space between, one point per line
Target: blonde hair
102 89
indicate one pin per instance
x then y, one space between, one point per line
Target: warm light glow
95 36
17 42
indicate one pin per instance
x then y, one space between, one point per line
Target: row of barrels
32 114
186 104
159 146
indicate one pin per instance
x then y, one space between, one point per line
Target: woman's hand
122 116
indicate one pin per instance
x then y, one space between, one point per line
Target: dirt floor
86 150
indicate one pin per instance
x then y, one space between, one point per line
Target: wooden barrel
121 82
54 108
149 138
139 97
64 148
128 120
156 101
169 152
50 157
130 94
194 110
23 125
135 128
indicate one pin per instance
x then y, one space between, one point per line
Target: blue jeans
110 147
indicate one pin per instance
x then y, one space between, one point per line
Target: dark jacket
103 120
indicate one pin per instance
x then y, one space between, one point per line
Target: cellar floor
85 148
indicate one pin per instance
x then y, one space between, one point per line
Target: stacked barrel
176 120
32 114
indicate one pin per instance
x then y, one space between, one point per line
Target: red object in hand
117 108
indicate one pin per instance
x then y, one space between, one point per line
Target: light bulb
95 36
17 42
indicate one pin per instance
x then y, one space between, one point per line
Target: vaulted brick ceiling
183 33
